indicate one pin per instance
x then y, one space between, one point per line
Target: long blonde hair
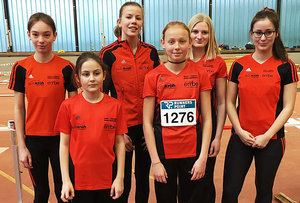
211 49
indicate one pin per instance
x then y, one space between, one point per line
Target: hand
214 148
246 137
128 143
159 172
25 157
67 191
117 188
261 141
198 170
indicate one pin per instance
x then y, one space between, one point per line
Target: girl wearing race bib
174 95
205 53
129 60
91 126
265 84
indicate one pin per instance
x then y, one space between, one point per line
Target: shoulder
116 44
62 62
25 62
148 46
111 101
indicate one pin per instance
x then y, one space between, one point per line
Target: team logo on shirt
208 65
52 82
123 62
110 124
126 68
30 76
53 77
248 70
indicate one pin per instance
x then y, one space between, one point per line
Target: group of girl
170 114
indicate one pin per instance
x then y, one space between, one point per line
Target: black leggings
92 196
142 167
178 169
43 149
237 162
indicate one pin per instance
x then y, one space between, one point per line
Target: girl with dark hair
265 83
128 61
91 127
44 78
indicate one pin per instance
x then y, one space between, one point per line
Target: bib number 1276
178 112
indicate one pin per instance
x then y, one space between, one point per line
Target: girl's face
263 43
176 43
200 35
131 21
42 37
91 76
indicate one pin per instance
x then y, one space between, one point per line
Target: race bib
178 112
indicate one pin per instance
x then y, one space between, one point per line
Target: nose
41 39
263 37
176 45
92 77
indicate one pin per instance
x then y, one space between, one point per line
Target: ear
55 35
104 75
162 42
77 80
191 42
277 32
28 34
119 23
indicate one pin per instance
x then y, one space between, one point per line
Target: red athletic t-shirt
176 141
260 91
92 128
215 68
44 85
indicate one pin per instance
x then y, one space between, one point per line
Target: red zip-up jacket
127 74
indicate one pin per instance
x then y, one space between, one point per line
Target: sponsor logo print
39 83
144 68
254 76
267 75
126 68
268 71
109 127
169 86
110 119
190 76
191 84
79 127
52 83
53 77
208 65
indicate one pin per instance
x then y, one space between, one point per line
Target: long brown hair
278 49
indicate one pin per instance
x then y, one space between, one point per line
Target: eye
268 32
195 32
35 34
204 32
84 74
182 41
171 41
259 32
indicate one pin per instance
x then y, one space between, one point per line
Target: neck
133 43
198 53
43 58
262 56
93 97
175 68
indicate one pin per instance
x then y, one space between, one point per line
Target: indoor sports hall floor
287 179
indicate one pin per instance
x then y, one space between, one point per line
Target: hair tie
266 9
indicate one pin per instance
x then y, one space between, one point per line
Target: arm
221 116
117 186
289 97
159 172
67 192
24 154
198 169
231 97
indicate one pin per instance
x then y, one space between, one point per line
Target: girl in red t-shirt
174 94
91 126
205 53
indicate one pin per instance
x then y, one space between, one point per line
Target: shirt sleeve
17 78
234 72
288 73
62 123
222 70
149 85
155 58
204 81
121 122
